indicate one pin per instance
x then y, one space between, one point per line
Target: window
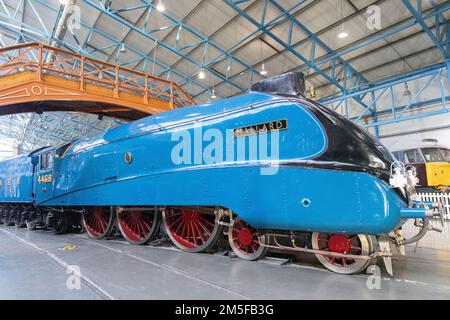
446 154
413 156
47 161
399 156
432 155
388 155
61 151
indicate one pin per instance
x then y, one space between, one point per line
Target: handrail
50 60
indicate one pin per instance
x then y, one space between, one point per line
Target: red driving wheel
138 226
98 222
190 229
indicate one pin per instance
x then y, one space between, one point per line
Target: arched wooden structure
37 78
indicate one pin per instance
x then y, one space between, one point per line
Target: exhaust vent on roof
291 83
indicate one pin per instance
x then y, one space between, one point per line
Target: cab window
432 155
61 151
399 156
389 155
446 154
413 156
47 161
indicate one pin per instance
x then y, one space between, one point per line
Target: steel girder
330 59
52 128
200 39
295 25
35 34
395 111
440 36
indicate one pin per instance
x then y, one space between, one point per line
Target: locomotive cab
43 165
47 171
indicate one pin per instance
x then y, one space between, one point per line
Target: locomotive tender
322 186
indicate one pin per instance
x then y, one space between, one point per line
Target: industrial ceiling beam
166 37
437 38
282 18
399 111
381 35
61 22
174 48
40 35
117 43
351 74
254 35
261 25
387 63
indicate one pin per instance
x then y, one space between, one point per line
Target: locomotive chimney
290 84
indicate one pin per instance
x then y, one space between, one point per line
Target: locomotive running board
294 248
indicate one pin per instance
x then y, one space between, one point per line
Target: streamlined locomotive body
267 169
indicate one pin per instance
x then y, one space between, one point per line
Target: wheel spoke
200 233
207 222
188 230
179 226
204 228
183 232
194 234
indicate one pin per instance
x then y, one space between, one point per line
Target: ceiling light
263 70
213 94
160 6
407 92
343 34
123 49
202 74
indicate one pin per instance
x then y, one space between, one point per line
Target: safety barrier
433 240
441 197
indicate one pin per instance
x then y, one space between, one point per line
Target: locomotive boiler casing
307 187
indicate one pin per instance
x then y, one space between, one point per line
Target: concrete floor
33 265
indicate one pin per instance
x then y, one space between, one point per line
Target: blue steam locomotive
268 169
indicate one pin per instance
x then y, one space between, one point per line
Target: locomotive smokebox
290 84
